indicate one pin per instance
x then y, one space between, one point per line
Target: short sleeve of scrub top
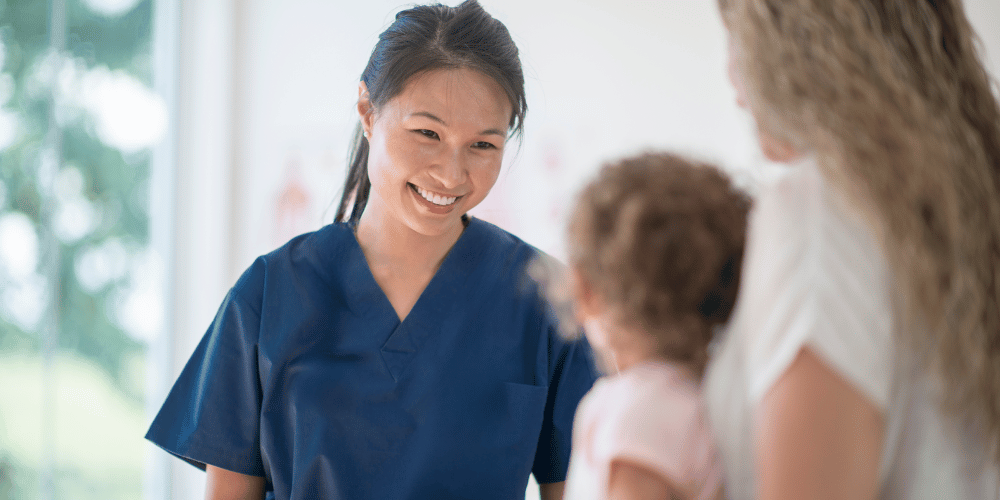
308 378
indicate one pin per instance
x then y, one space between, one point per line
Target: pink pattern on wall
292 206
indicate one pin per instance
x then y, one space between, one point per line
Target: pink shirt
651 415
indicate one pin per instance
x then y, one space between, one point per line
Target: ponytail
357 185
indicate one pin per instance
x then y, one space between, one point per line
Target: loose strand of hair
357 185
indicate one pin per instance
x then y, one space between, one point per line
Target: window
80 288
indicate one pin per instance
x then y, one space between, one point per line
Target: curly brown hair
660 239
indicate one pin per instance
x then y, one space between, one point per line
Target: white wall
985 17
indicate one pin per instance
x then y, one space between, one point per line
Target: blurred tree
97 92
114 183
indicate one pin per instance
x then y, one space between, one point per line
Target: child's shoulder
652 414
651 386
655 395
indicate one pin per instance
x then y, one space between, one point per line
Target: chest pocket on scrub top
518 410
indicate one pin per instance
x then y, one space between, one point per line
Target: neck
624 359
628 348
390 244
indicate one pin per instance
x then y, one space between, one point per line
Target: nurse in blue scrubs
401 352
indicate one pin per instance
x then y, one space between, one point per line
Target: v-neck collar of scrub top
365 296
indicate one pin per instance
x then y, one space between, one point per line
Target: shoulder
649 401
308 254
506 259
661 390
654 416
803 212
814 275
329 238
785 211
502 242
806 238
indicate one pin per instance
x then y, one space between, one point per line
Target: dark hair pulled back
425 38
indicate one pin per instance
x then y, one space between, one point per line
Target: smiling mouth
439 200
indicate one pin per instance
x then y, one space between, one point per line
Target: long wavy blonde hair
892 98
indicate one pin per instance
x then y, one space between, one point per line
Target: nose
450 170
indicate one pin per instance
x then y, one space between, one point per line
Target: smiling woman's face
435 149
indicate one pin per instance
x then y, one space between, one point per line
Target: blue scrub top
308 378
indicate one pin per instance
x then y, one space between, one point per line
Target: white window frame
195 58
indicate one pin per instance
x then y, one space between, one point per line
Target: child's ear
587 303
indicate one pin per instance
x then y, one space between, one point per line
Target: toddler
655 247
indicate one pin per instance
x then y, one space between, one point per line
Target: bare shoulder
633 481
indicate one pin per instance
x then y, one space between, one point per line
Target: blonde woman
863 360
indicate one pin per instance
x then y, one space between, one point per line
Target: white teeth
436 199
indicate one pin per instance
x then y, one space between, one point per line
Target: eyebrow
427 114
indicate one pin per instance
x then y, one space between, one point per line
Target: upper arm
630 481
551 491
222 484
211 415
817 436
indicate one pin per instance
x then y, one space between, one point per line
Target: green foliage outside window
94 94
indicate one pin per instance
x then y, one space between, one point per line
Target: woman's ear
775 149
366 110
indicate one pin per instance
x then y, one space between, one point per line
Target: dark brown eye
427 133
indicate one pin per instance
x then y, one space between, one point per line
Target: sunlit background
150 149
